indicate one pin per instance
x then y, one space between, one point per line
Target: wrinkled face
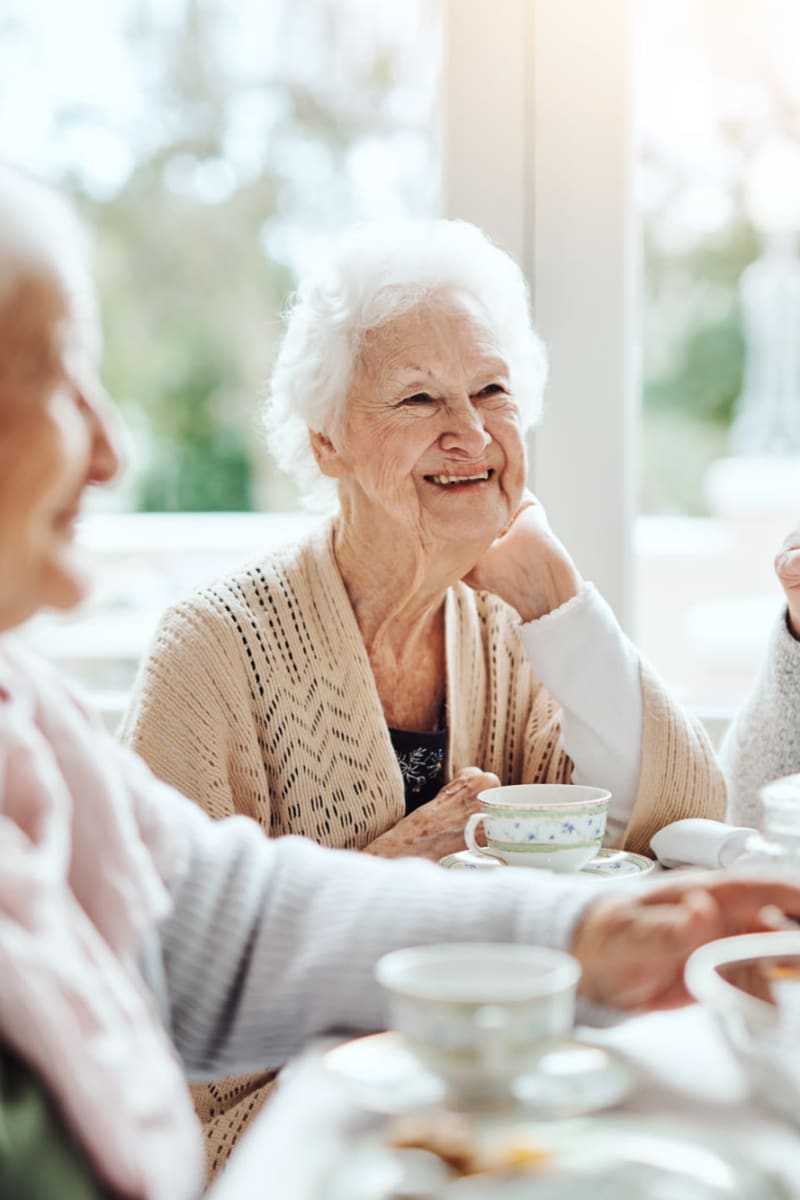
432 433
53 443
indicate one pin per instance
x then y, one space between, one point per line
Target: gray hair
39 231
375 273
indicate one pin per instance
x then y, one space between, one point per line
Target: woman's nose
465 431
107 456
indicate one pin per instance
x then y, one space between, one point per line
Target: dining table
683 1072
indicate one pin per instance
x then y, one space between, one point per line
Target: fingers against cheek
527 501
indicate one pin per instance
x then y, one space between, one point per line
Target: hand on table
437 828
527 565
633 946
787 568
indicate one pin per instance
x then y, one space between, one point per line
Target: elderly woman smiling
433 636
122 905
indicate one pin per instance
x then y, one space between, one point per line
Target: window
718 175
659 147
628 154
211 144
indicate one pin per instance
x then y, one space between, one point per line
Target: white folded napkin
698 842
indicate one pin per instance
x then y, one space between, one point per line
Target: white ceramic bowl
732 978
478 1014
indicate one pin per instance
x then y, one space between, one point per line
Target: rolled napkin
698 842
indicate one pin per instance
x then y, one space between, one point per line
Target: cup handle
469 835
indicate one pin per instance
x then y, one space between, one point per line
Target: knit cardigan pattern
257 697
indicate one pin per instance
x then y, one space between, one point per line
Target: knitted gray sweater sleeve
273 941
763 742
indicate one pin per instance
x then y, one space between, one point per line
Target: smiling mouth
455 481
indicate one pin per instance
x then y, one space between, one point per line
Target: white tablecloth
686 1072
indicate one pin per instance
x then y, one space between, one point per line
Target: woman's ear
329 460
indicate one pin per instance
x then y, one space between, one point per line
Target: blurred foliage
186 304
676 449
186 294
693 362
194 244
716 98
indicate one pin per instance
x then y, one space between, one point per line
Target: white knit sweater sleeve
763 742
585 661
274 940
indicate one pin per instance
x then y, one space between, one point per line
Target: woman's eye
418 398
492 389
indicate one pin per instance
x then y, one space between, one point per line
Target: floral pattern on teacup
548 831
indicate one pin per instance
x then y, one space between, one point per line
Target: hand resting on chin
526 565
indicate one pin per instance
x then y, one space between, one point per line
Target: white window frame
527 85
538 151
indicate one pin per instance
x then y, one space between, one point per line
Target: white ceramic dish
610 864
379 1073
478 1014
752 986
623 1158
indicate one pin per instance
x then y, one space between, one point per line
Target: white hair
376 273
39 231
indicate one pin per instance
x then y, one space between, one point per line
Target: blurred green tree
241 142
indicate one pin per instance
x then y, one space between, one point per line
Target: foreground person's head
410 363
54 441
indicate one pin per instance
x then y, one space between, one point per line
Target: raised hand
526 565
787 568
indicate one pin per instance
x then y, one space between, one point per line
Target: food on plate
468 1150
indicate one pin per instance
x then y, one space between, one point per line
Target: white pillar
538 151
583 284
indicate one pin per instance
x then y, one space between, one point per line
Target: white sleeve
585 661
273 941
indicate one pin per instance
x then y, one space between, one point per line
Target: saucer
611 864
571 1078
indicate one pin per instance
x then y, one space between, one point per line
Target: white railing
704 617
143 562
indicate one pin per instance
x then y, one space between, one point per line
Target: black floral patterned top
421 758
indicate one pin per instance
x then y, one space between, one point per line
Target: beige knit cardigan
257 697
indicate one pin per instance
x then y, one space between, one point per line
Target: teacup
478 1014
558 826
